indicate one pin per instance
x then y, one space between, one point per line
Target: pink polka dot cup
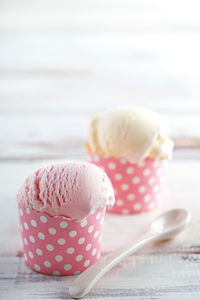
137 186
59 245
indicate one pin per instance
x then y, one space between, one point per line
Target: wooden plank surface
138 277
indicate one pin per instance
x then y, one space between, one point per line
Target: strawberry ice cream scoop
73 189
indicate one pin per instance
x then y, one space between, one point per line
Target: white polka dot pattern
129 170
86 263
33 223
60 246
43 219
125 211
28 211
83 223
50 247
41 235
26 225
124 187
56 273
70 250
47 263
36 267
136 185
136 180
111 166
118 176
73 233
67 267
63 224
88 247
79 257
91 228
81 240
39 252
94 251
58 258
32 239
119 202
52 230
61 241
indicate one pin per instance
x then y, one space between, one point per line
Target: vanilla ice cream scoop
73 189
130 132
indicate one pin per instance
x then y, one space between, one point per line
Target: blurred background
63 61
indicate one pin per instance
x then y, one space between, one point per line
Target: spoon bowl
170 223
164 227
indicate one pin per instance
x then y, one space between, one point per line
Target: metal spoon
164 227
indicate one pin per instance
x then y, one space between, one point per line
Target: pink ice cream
73 189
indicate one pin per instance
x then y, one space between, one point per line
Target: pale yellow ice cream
130 132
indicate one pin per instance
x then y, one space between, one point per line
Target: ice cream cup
137 186
59 245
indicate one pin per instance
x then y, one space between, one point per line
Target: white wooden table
51 82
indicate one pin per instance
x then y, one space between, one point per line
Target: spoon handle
85 281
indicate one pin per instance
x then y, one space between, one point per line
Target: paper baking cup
137 186
58 245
